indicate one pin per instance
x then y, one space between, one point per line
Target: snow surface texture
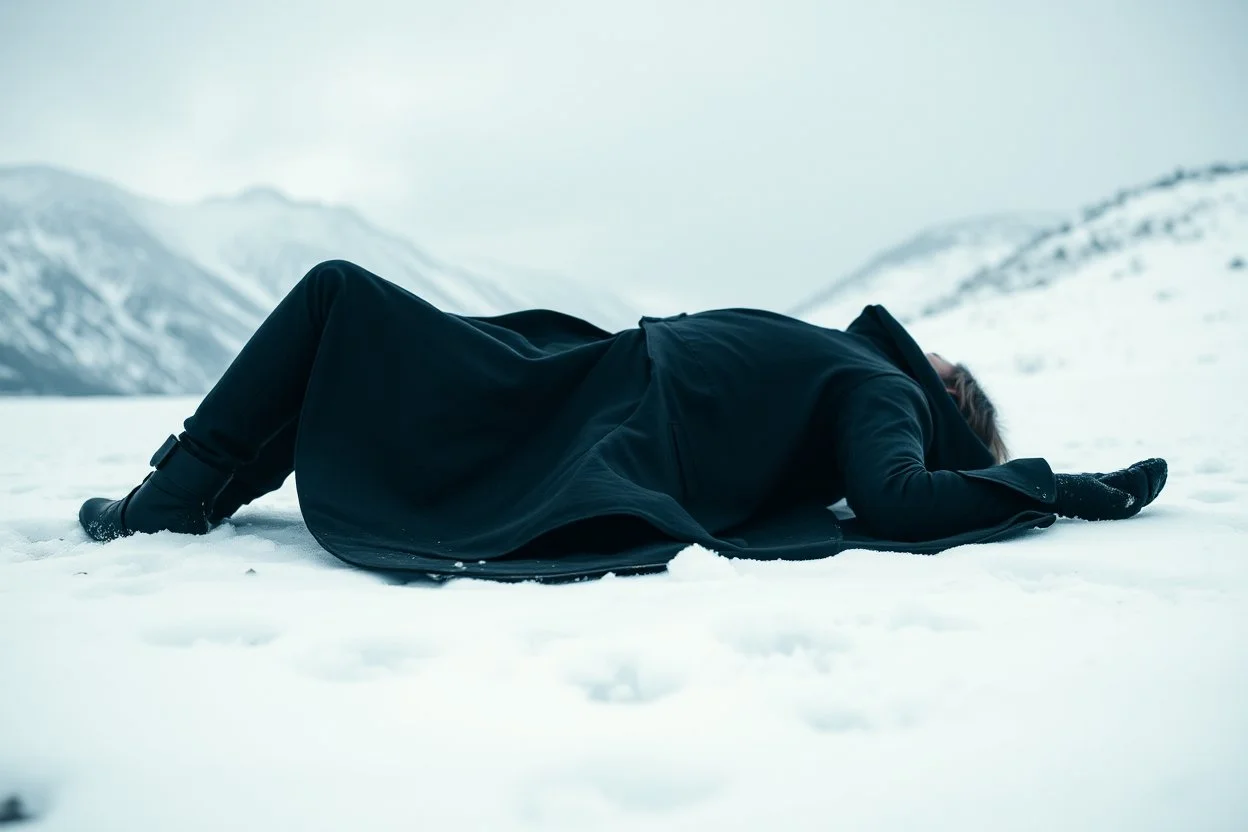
1090 676
105 291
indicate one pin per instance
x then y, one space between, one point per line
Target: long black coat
535 445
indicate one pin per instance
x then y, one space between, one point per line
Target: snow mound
697 563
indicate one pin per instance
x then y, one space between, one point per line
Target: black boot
176 497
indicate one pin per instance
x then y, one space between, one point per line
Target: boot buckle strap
164 452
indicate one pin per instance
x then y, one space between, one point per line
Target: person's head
973 402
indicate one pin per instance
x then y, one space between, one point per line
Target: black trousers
249 421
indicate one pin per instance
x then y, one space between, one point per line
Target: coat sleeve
882 434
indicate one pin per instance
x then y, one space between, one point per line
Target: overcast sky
696 153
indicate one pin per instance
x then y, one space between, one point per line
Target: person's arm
881 434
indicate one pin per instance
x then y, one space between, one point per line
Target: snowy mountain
926 267
103 291
1151 286
1201 212
92 301
1155 280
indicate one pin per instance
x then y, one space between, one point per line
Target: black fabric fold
538 446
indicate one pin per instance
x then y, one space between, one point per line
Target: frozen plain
1090 676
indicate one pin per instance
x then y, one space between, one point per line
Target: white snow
1088 677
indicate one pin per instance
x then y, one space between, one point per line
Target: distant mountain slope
1202 211
102 291
924 268
92 302
1154 280
263 242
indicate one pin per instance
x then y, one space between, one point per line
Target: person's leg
261 392
268 472
257 398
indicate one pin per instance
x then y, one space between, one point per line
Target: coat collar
954 445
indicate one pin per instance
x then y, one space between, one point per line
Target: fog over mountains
908 276
103 291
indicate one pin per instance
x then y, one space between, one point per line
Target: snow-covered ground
1090 676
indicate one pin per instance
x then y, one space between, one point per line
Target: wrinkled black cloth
536 445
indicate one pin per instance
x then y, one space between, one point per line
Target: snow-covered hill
945 268
1156 276
92 301
910 276
1203 211
105 291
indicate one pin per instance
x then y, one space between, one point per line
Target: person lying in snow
536 445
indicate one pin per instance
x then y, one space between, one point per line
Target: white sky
696 153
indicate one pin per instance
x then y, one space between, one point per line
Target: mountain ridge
918 280
1167 207
106 291
928 257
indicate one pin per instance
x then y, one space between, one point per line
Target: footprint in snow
365 659
601 785
240 632
625 680
924 618
758 640
1214 495
835 719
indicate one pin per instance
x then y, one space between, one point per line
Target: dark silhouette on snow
536 445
